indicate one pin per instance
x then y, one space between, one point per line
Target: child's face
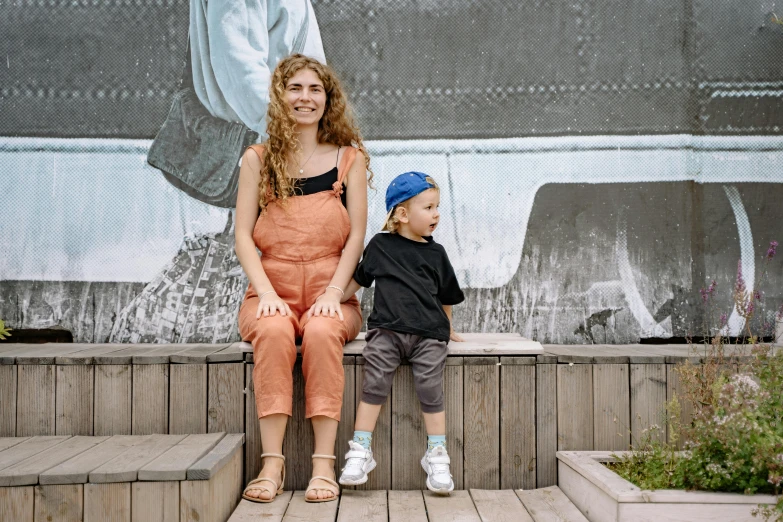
422 216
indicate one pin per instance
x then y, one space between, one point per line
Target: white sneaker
436 464
358 463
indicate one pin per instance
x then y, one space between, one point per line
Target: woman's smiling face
306 97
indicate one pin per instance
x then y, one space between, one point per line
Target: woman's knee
323 331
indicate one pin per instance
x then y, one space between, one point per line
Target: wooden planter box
603 496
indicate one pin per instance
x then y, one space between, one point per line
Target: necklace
302 165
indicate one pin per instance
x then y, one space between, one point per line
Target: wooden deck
124 478
540 505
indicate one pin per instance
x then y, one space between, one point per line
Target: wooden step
539 505
154 477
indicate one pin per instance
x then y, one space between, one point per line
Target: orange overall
301 244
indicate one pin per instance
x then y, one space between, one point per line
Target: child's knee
430 394
376 385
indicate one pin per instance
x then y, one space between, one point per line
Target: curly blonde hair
337 126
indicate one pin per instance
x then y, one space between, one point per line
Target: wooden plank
367 506
299 439
406 506
188 398
113 399
612 407
457 507
226 489
42 353
155 501
248 511
232 353
196 353
107 502
173 464
125 466
574 407
409 436
63 503
301 511
129 351
380 478
453 386
74 400
550 505
25 472
150 403
648 401
482 425
499 506
208 465
674 387
8 442
215 499
76 470
16 504
517 426
27 449
546 425
252 431
35 406
88 354
347 412
494 344
225 398
8 384
159 354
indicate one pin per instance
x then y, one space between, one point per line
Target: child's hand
327 304
454 336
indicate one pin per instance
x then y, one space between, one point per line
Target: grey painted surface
603 232
422 69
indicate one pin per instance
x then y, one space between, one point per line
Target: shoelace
440 468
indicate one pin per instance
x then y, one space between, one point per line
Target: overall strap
258 148
345 165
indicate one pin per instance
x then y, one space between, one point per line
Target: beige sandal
335 489
273 492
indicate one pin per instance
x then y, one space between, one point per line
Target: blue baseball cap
403 188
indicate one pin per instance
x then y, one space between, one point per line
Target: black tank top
320 183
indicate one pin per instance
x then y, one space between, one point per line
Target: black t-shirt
412 282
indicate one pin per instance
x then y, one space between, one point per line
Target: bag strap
299 43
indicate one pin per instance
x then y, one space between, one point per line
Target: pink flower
773 248
739 287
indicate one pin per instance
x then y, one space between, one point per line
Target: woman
303 203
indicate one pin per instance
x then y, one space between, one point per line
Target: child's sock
436 440
363 438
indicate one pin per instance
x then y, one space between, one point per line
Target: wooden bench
145 478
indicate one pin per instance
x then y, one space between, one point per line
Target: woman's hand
270 304
454 336
327 304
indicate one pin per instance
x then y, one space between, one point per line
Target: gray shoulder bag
199 153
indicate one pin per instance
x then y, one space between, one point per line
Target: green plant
735 440
4 332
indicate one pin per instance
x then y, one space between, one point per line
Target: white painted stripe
93 210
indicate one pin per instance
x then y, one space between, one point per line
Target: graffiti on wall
586 198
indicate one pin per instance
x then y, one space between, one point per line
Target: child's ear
402 214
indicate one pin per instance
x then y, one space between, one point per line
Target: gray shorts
385 351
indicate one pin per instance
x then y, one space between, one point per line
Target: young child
415 288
